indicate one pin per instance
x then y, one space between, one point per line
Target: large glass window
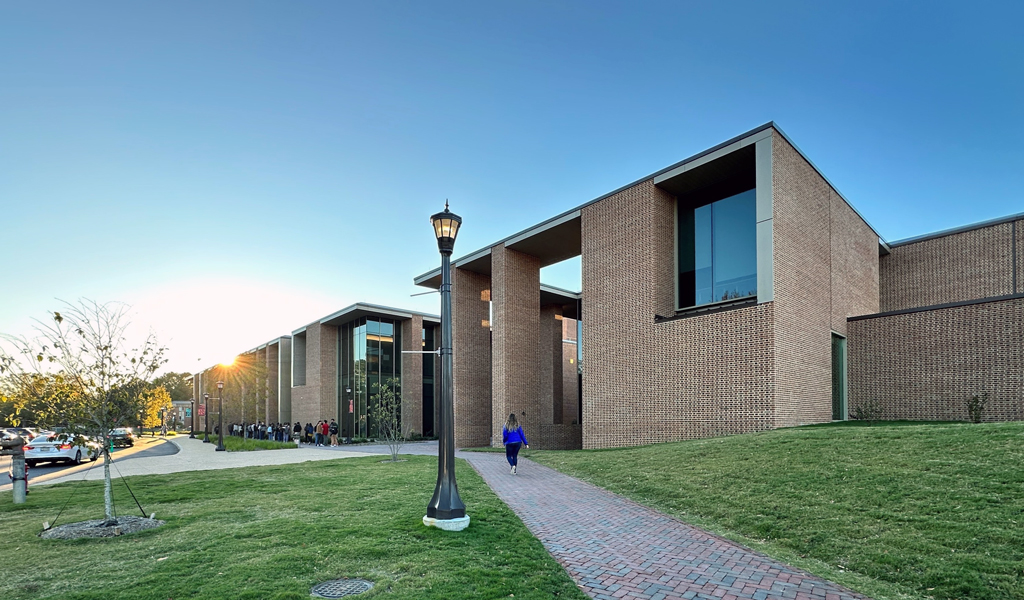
718 250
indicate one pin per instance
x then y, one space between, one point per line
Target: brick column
471 337
329 372
412 376
516 297
549 370
270 355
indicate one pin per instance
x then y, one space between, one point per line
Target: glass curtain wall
428 382
370 356
718 250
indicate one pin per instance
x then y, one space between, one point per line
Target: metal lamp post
206 409
220 416
446 509
192 421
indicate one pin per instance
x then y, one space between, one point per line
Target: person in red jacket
324 427
513 437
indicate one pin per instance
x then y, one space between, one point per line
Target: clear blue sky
235 170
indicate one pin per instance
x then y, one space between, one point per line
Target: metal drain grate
340 588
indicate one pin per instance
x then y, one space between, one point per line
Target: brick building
330 369
735 291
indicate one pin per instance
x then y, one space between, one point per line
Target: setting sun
229 362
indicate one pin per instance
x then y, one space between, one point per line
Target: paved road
48 472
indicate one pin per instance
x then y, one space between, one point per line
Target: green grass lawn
274 532
891 510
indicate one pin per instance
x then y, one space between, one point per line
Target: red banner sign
202 410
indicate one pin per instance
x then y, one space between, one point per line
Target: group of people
322 434
277 432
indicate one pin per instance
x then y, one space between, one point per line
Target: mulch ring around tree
100 528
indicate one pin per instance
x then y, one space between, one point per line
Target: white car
53 447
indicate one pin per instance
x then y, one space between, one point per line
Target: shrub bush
868 411
976 405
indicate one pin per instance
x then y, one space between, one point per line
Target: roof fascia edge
435 272
769 125
558 290
955 230
544 226
707 157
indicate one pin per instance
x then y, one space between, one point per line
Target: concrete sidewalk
194 455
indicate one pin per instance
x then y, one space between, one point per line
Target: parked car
26 433
59 447
122 436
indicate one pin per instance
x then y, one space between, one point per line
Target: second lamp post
220 416
206 410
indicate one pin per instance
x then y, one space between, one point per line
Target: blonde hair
511 423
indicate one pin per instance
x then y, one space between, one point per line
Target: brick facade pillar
412 376
270 354
516 297
471 338
550 365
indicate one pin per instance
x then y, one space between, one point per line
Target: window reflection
718 250
370 354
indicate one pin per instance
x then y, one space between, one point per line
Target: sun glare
229 362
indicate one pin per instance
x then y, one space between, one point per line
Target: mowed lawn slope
891 510
273 532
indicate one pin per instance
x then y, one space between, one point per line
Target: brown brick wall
560 437
963 266
472 358
803 282
306 398
270 360
1020 257
854 264
549 369
412 376
328 379
645 382
515 285
925 365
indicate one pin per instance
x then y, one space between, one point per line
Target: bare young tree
387 414
84 348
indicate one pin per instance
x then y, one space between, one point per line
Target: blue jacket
513 437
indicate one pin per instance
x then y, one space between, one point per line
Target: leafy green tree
176 385
84 348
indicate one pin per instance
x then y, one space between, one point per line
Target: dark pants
512 453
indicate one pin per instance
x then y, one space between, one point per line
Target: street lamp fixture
446 510
206 409
220 416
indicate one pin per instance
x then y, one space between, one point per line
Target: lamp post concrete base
447 524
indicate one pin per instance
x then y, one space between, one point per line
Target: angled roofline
955 230
375 308
557 290
423 278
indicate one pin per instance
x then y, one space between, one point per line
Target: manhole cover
339 588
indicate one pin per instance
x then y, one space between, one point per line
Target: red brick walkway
615 548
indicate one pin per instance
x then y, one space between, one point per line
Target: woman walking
513 437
